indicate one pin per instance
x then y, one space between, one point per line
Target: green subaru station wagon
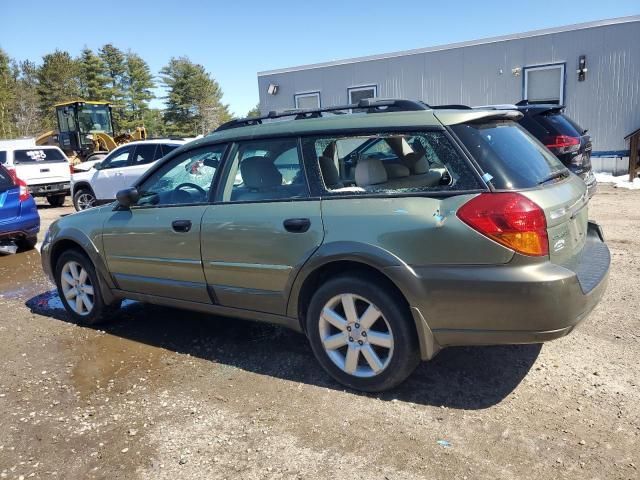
383 235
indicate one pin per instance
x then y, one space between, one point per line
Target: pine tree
114 60
153 120
27 115
254 112
93 76
137 90
7 95
58 81
194 103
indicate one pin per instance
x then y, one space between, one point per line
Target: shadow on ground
465 378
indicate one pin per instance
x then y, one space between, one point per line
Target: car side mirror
127 197
98 166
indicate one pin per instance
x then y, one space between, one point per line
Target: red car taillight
24 190
510 219
71 169
563 143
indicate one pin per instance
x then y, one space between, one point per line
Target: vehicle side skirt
291 323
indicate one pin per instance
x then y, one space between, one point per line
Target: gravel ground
166 394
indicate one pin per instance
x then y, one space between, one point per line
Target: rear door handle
182 226
297 225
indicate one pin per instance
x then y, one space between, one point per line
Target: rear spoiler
452 117
555 109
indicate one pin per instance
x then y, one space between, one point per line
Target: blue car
19 219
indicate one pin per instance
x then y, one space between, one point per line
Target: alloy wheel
356 336
85 200
77 288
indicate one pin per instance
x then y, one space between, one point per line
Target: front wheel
362 334
79 289
84 199
56 200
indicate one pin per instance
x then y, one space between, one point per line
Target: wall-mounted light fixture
582 68
272 89
516 71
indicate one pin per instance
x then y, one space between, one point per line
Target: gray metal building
592 68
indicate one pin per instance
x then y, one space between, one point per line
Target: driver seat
261 179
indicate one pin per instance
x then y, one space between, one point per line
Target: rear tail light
563 143
71 169
24 190
510 219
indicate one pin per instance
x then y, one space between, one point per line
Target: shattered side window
392 163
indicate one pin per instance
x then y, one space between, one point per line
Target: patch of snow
51 301
621 181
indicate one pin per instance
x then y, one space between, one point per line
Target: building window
544 84
307 100
359 93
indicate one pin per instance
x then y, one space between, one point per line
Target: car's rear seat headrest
370 171
417 162
260 173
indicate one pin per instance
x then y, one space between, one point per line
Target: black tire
56 200
80 198
405 356
27 243
100 312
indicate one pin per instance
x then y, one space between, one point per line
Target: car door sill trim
288 322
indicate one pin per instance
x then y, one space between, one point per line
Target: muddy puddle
21 275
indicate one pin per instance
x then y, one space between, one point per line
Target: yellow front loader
85 131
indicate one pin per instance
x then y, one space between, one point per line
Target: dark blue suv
19 219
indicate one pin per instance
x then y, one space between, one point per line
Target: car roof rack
370 105
451 107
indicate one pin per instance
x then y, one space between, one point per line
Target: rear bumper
521 302
27 224
23 228
46 189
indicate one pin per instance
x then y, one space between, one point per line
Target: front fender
61 236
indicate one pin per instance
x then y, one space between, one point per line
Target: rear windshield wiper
553 176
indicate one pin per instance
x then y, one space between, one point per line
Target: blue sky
236 39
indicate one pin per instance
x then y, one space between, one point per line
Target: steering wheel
202 191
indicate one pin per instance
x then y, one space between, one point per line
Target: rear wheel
27 243
79 289
362 334
56 200
83 199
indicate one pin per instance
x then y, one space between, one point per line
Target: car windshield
561 124
38 155
508 153
95 118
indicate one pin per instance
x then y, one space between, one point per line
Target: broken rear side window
411 162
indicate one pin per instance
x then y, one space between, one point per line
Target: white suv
120 169
45 169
